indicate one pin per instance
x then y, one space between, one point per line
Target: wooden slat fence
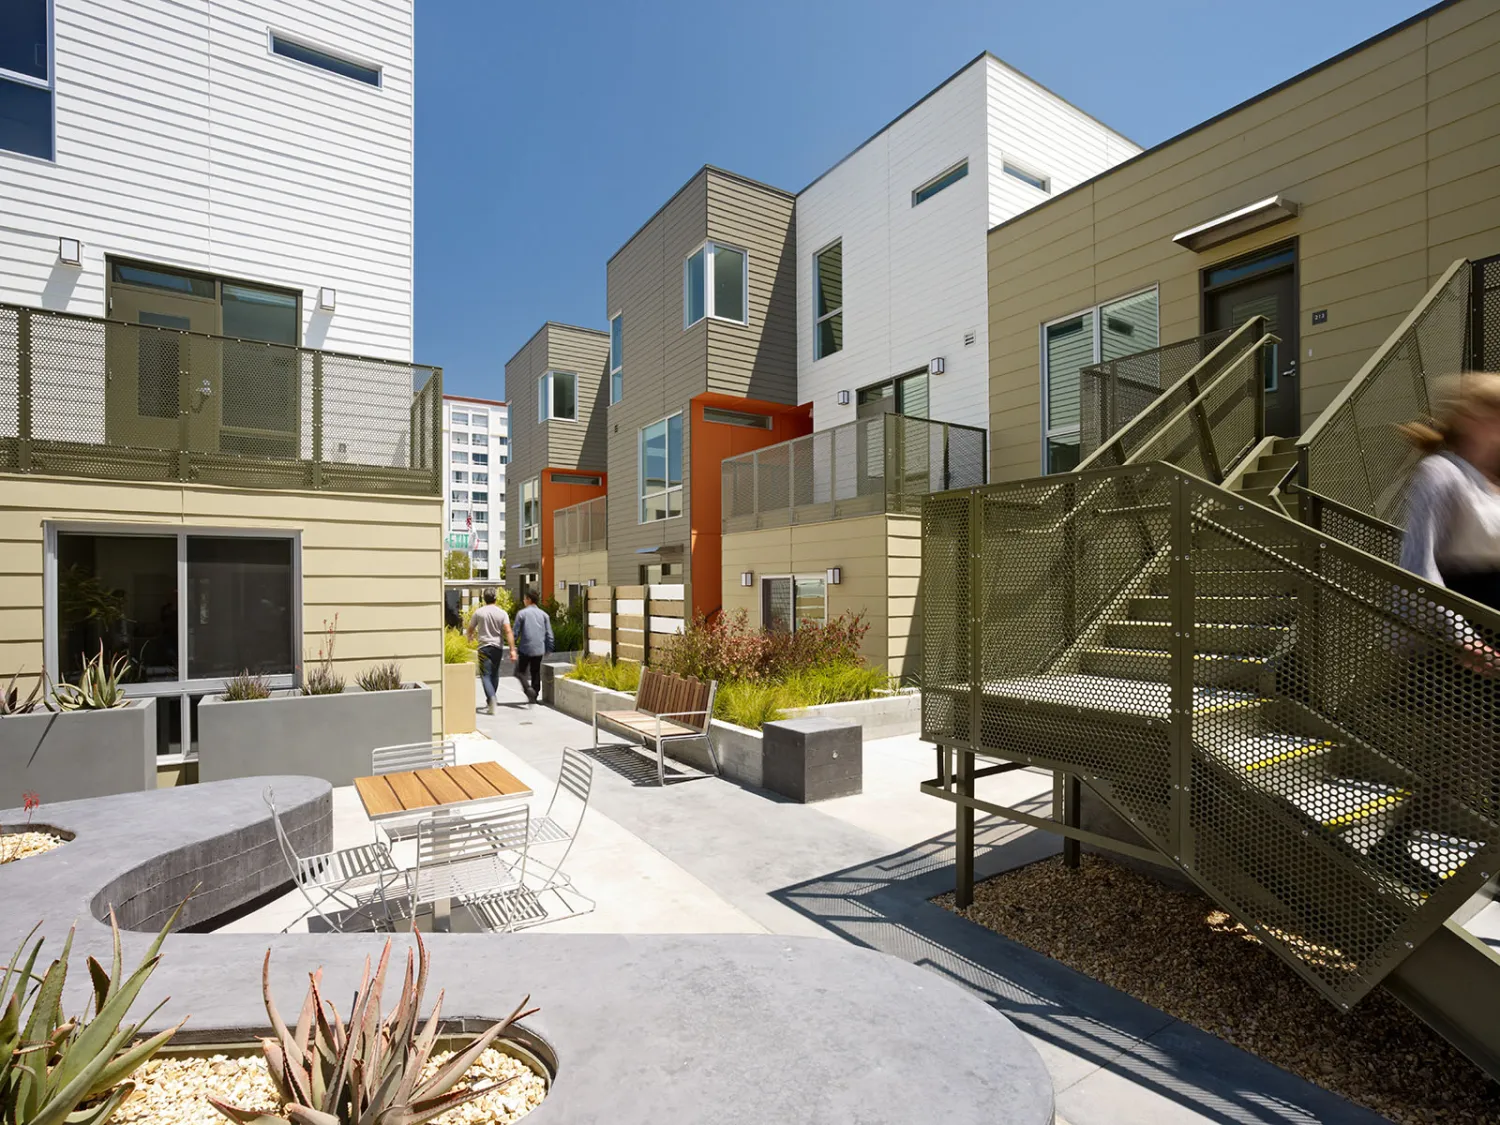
635 622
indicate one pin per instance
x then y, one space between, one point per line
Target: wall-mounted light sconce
562 583
593 582
937 366
327 298
835 575
843 398
70 251
747 578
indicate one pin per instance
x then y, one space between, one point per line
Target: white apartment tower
476 449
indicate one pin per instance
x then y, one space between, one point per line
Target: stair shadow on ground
1113 1058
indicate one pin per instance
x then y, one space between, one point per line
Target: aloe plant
382 677
11 702
368 1071
50 1065
98 689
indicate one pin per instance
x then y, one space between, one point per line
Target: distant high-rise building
476 449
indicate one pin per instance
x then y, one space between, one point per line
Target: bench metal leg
713 755
661 764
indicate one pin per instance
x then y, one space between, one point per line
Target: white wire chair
575 777
402 758
354 879
478 862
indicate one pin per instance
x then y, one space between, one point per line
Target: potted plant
80 740
324 728
458 682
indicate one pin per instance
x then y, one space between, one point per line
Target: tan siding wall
1393 155
580 444
376 562
581 567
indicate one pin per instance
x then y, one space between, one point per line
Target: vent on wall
969 338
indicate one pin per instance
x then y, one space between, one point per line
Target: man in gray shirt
490 626
533 641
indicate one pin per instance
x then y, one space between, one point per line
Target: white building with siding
891 241
476 450
261 142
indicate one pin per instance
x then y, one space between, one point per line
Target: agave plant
98 689
370 1070
11 702
245 686
49 1065
382 677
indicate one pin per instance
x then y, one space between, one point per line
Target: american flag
469 522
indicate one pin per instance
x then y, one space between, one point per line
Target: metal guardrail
881 464
89 397
581 527
1352 452
1296 724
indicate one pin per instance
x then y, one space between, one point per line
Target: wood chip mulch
1178 952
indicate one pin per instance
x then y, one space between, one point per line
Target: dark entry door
1263 285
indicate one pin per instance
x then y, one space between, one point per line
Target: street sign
458 541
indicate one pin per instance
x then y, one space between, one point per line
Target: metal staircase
1284 717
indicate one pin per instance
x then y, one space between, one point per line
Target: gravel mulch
19 845
172 1089
1178 952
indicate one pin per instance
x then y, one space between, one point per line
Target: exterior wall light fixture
747 578
327 298
843 398
835 575
937 366
70 251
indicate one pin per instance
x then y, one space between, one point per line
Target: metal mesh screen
1113 393
581 527
1299 726
885 463
1485 318
89 397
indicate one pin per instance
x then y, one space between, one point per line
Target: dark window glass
239 606
25 119
776 604
693 296
729 283
23 37
946 180
369 75
151 278
118 591
1274 261
260 314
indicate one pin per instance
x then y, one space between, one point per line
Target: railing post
755 486
184 396
1180 673
23 390
317 421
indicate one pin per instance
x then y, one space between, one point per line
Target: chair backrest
451 840
413 756
648 694
576 775
288 852
688 700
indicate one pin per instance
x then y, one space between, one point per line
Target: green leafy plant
456 648
382 677
568 629
98 689
622 675
320 678
746 703
728 648
11 702
50 1066
456 565
367 1071
245 686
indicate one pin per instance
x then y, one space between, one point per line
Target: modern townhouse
476 449
555 386
212 435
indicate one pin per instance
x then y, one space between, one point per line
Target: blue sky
548 132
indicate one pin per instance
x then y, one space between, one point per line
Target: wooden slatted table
421 792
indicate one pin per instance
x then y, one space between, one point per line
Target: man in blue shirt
533 641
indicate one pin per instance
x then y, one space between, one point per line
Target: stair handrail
1141 426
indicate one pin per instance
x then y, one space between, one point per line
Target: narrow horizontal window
577 478
937 184
1040 182
736 418
324 60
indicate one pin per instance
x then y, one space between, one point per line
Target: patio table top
415 791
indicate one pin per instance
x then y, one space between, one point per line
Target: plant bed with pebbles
20 845
1178 952
174 1089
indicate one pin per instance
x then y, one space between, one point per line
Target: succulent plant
382 677
245 686
49 1065
368 1071
98 689
11 702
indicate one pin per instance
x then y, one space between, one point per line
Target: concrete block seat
644 1028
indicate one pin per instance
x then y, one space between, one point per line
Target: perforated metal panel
1117 391
581 527
1485 316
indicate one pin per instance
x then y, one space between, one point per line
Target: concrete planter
326 736
888 715
458 697
66 756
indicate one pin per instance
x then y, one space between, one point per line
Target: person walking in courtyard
490 626
534 640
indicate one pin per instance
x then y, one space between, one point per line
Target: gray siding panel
528 448
580 444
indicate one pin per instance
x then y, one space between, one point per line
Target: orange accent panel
710 443
553 497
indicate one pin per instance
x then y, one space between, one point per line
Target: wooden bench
667 709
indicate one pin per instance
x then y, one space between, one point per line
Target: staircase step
1281 461
1239 672
1219 610
1440 855
1284 445
1131 696
1227 581
1276 758
1358 811
1262 478
1230 639
1266 498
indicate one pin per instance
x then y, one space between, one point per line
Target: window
479 420
828 304
481 458
792 602
1108 331
480 558
460 418
937 184
460 438
531 511
26 78
616 357
460 457
714 280
460 517
557 397
458 496
481 517
736 418
460 478
577 478
324 60
904 395
1041 183
481 478
481 497
661 470
654 574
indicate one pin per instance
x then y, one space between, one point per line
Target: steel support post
1072 850
963 832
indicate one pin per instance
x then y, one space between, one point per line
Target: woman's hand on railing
1480 657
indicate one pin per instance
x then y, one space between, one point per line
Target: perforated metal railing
581 527
881 464
83 396
1306 731
1352 453
1115 392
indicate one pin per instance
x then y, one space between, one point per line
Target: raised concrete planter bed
326 736
885 716
65 756
813 759
730 1028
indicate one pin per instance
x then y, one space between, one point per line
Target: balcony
580 528
881 464
87 397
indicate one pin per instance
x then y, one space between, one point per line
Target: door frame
1205 292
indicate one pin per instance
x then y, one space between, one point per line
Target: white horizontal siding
182 140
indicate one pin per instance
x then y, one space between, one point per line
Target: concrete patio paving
704 855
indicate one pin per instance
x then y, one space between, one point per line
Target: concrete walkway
705 855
